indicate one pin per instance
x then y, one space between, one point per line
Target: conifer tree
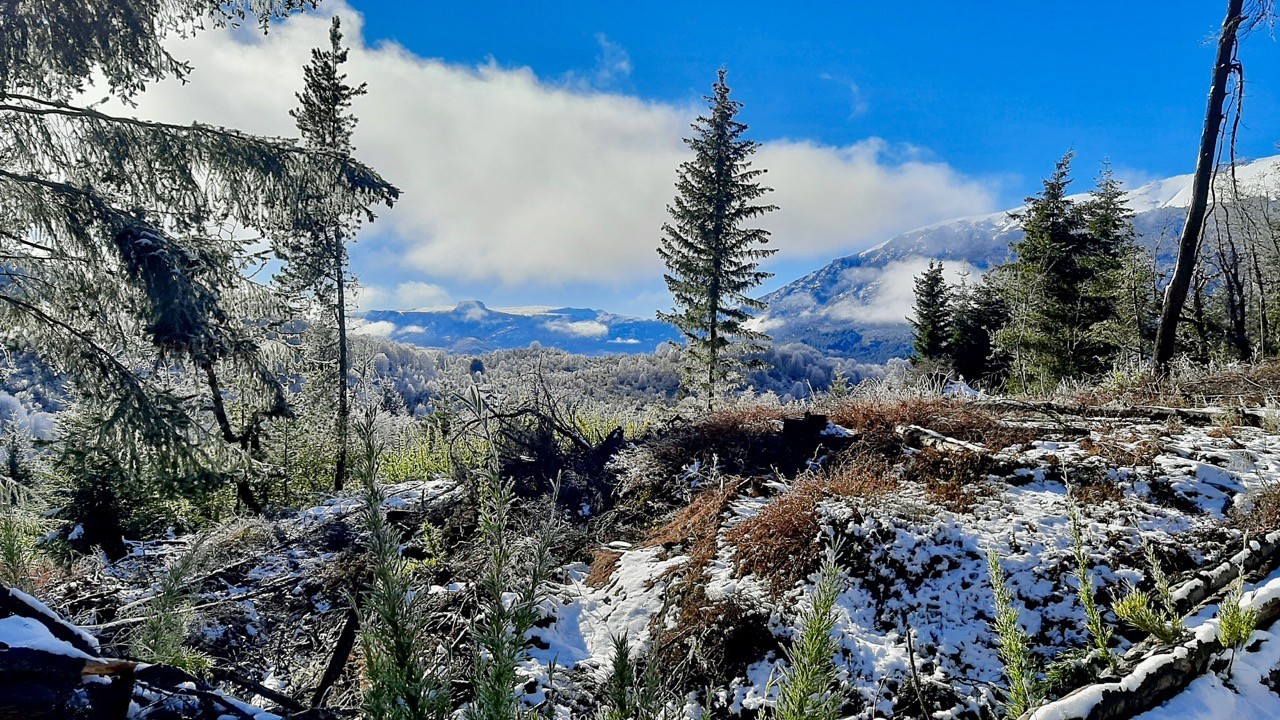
120 265
316 256
1057 287
931 318
713 260
978 311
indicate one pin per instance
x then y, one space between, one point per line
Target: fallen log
917 436
1260 554
1252 417
1160 673
14 603
1158 678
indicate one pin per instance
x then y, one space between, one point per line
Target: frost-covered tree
978 311
316 255
120 264
712 258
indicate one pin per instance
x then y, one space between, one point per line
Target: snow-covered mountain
857 306
471 327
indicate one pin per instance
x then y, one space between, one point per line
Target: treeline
1081 294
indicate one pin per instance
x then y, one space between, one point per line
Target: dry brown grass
603 563
710 641
1097 494
1261 513
780 543
955 480
875 421
1243 384
1124 449
696 526
740 441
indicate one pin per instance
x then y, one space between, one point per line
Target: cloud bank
524 181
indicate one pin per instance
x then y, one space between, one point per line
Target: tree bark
1175 295
340 469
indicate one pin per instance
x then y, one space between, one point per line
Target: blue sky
995 89
537 142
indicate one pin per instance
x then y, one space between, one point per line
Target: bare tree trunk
1175 295
340 469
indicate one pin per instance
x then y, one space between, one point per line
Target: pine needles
400 667
630 693
1236 623
512 590
806 690
161 637
1023 692
1100 633
1159 617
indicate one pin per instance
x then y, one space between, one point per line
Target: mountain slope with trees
857 306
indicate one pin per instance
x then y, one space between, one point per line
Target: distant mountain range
471 327
855 306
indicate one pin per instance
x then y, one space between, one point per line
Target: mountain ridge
857 305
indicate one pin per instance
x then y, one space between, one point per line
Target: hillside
472 327
856 306
699 543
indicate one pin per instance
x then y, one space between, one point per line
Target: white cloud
833 198
514 178
381 328
857 99
416 294
579 328
889 291
613 65
368 297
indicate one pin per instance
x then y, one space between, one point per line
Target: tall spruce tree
120 265
713 260
931 318
1057 286
316 256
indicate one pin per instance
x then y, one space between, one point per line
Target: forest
221 496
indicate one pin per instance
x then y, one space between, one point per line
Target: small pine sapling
630 693
1099 633
1236 623
401 671
1138 609
807 687
512 588
162 635
1023 692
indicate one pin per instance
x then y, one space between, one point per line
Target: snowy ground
914 566
923 568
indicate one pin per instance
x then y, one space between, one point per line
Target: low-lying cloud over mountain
858 305
471 327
